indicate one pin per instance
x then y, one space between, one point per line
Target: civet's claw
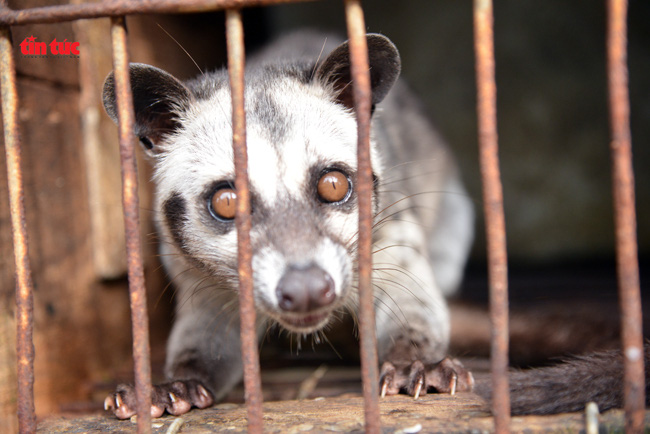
202 398
204 393
175 398
417 379
118 401
452 384
418 388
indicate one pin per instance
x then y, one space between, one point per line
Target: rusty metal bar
130 203
250 355
362 103
116 8
625 217
493 208
24 284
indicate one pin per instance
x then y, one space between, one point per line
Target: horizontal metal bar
114 8
250 355
625 217
130 203
360 72
493 208
24 284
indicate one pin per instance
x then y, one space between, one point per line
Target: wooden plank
464 412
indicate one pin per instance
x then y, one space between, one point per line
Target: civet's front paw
176 398
417 378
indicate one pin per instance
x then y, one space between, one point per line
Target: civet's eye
334 186
223 202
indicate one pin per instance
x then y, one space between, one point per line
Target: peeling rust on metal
362 103
117 8
625 216
493 208
250 355
24 284
130 203
623 186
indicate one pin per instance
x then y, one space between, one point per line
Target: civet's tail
568 386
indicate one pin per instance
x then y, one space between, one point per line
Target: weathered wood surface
82 331
464 412
82 327
71 319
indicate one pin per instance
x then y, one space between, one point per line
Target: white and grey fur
300 123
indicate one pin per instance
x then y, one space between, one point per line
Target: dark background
552 110
554 137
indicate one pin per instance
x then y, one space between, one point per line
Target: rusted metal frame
493 208
130 203
24 284
250 354
625 217
362 103
116 8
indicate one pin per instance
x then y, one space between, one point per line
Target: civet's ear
384 62
158 98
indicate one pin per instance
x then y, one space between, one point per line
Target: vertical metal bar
250 356
130 203
625 217
362 102
24 284
493 206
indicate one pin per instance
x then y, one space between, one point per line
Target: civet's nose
305 289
